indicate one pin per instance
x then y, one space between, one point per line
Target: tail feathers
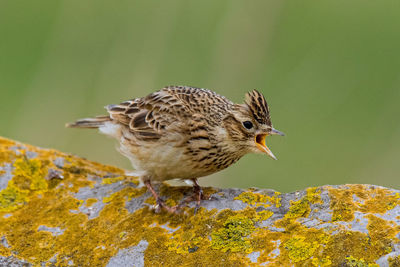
89 122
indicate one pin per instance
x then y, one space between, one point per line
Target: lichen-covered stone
58 210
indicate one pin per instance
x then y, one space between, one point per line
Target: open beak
260 142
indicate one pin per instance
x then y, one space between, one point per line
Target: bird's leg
160 202
197 195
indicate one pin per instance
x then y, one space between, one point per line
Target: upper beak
260 142
275 131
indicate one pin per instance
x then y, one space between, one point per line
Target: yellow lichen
110 197
394 261
373 199
137 192
353 262
299 208
313 195
90 201
263 215
209 237
321 262
233 235
260 199
342 205
29 174
112 180
299 249
11 198
28 179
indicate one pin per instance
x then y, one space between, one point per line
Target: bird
183 132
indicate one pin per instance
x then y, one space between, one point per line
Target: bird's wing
151 116
166 110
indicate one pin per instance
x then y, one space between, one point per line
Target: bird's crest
258 107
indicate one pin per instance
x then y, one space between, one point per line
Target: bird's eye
248 124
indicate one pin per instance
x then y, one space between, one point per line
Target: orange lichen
374 199
342 204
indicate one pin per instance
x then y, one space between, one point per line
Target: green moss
233 235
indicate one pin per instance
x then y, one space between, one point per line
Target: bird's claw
162 205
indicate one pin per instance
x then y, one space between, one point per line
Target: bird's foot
197 195
160 202
162 205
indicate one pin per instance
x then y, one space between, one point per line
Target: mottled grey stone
384 260
136 203
53 259
7 176
319 217
132 256
4 241
391 213
59 162
31 154
224 199
92 211
253 256
54 174
276 252
358 200
169 229
359 223
17 148
56 231
13 262
99 191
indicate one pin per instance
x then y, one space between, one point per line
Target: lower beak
260 142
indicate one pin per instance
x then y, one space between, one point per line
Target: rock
58 210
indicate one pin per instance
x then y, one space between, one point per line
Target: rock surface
58 210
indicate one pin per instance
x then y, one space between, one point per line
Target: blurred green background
330 71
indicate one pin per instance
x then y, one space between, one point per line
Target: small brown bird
185 132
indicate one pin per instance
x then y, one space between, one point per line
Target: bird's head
249 124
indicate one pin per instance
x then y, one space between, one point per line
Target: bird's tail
89 122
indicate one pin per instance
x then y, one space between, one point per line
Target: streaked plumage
185 132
